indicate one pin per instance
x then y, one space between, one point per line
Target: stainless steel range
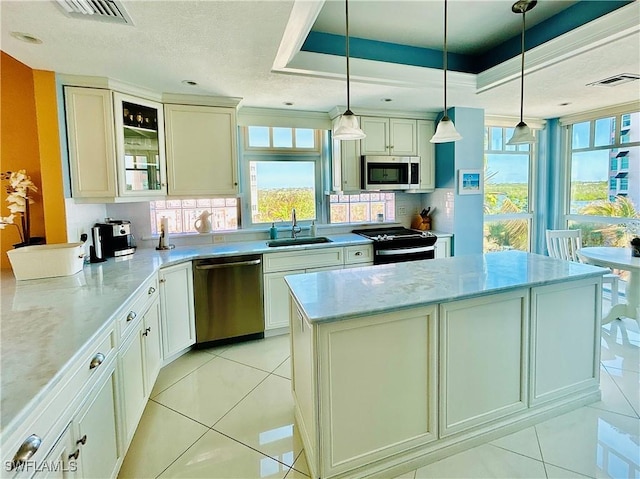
397 244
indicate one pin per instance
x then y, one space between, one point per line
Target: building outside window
507 192
603 177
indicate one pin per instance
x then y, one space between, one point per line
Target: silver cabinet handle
152 290
163 280
146 332
27 449
358 253
131 316
82 440
75 455
229 265
96 361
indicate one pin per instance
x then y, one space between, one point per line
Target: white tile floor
228 413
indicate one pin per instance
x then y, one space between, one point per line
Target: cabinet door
377 140
176 306
427 155
140 146
346 165
402 136
152 345
60 461
201 150
132 376
276 300
97 426
90 137
443 247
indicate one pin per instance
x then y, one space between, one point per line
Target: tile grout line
513 452
180 413
622 392
544 464
182 377
182 454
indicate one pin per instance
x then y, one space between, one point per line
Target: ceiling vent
101 10
616 80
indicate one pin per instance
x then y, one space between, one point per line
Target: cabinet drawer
289 261
137 306
358 254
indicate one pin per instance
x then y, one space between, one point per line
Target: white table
619 258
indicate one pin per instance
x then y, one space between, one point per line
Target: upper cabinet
91 140
139 146
345 168
201 150
426 152
389 136
116 145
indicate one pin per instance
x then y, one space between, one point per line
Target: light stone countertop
357 292
45 323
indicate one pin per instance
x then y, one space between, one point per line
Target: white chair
564 244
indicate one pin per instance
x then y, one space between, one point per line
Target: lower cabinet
132 380
152 345
443 247
96 431
60 461
176 303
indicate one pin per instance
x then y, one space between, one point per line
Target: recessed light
189 82
387 100
288 103
26 37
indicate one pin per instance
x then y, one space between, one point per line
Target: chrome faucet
294 224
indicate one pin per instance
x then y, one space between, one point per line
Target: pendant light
347 127
522 133
446 130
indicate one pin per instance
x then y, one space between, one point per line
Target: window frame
567 217
532 152
250 154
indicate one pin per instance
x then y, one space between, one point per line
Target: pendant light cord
522 72
445 58
346 9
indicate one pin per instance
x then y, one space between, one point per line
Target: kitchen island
395 366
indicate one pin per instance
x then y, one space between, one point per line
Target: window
604 179
282 170
507 192
362 208
182 214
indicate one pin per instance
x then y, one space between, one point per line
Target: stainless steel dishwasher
228 299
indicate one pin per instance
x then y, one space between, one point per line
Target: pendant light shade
347 127
446 130
522 133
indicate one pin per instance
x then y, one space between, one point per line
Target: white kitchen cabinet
91 142
140 151
202 157
132 380
498 382
96 430
61 458
345 164
358 255
177 308
389 136
443 247
426 152
152 335
116 146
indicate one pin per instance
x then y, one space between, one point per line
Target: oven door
390 253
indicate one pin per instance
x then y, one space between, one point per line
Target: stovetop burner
392 233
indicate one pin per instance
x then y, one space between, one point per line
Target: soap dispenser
273 231
313 230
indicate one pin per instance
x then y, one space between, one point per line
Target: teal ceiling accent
565 21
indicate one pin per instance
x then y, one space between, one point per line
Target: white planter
46 261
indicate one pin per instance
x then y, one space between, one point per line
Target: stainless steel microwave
390 172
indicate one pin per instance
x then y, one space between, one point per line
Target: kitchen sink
298 241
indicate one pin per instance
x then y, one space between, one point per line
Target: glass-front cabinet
140 148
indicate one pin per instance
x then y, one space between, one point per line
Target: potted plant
20 190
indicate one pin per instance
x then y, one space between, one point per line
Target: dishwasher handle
228 265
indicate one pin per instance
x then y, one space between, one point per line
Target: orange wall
29 140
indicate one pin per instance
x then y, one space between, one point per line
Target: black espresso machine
112 238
